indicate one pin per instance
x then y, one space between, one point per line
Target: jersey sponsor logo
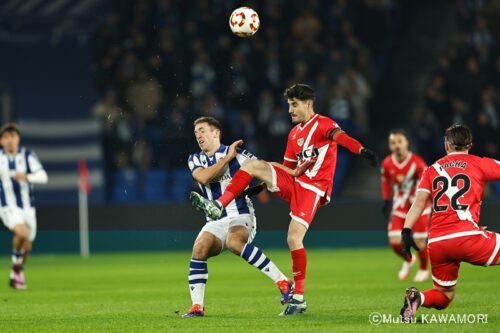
221 178
308 153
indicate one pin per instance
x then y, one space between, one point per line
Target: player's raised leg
206 245
296 233
237 242
16 278
241 179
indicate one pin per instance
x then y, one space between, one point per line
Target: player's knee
421 243
235 245
21 231
250 166
201 250
394 240
443 305
294 241
449 294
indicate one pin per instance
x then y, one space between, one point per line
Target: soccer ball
244 22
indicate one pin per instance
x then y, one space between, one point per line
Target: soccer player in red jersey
401 172
312 146
455 183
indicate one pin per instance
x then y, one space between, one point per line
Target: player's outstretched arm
38 177
353 145
490 168
205 175
299 169
416 210
386 193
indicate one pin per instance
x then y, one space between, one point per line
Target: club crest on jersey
300 142
400 178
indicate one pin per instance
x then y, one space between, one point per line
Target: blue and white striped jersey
214 189
19 193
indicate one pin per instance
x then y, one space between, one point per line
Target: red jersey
401 178
309 141
456 184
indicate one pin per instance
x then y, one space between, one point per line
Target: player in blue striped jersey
19 170
213 168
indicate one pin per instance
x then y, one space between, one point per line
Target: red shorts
304 203
446 254
419 229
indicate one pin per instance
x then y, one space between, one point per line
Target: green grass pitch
144 292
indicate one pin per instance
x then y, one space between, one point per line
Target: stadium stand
155 75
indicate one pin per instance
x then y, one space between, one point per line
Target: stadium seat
126 189
180 183
155 185
495 188
343 162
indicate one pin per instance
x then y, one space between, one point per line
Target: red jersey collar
303 125
404 162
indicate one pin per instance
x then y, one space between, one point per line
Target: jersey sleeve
385 182
194 162
490 168
327 125
425 181
242 155
34 164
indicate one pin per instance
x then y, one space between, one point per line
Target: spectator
358 90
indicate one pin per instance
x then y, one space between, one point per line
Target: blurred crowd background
160 64
464 85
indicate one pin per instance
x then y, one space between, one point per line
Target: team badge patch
300 142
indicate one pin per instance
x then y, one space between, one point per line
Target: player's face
206 136
398 144
10 141
298 109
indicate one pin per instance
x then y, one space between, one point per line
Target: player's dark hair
400 131
210 121
300 91
9 128
459 137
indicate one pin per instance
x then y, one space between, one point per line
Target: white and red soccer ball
244 22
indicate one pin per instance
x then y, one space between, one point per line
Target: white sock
257 258
17 257
198 276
